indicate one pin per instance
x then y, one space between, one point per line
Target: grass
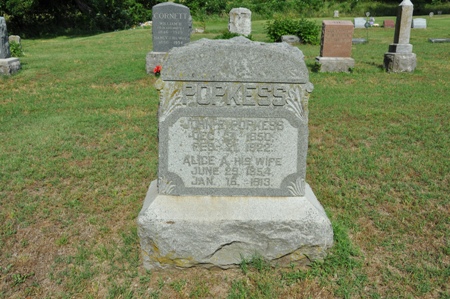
78 149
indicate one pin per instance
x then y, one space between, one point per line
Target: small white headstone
14 38
336 14
240 21
359 22
419 23
431 14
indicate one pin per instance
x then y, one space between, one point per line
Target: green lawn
78 149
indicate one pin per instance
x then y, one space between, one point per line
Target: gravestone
400 57
233 139
4 43
336 47
240 21
290 39
388 24
439 12
14 38
336 14
357 41
431 14
360 22
439 40
171 27
8 65
419 23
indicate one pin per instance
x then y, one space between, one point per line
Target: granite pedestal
335 64
218 232
9 66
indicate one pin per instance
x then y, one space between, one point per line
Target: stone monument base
153 59
9 66
207 231
400 62
335 64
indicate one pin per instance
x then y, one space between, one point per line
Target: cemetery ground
78 149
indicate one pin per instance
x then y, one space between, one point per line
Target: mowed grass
78 149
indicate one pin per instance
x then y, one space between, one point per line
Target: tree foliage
30 18
40 17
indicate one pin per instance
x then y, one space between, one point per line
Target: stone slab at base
335 64
153 59
439 40
290 39
209 232
400 62
357 41
9 66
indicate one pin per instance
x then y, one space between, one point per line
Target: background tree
41 17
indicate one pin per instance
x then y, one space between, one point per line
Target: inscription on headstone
228 135
171 27
336 39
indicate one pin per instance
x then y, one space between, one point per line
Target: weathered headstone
400 57
14 38
360 22
290 39
357 41
171 27
8 65
336 47
240 21
439 12
419 23
439 40
431 14
336 14
388 24
4 43
233 139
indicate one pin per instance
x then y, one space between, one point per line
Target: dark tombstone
171 27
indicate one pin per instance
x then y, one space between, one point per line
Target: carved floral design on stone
165 186
295 105
297 188
171 98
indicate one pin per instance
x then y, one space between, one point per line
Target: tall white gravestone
240 21
8 65
400 57
233 139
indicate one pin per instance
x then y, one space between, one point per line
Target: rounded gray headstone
236 60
